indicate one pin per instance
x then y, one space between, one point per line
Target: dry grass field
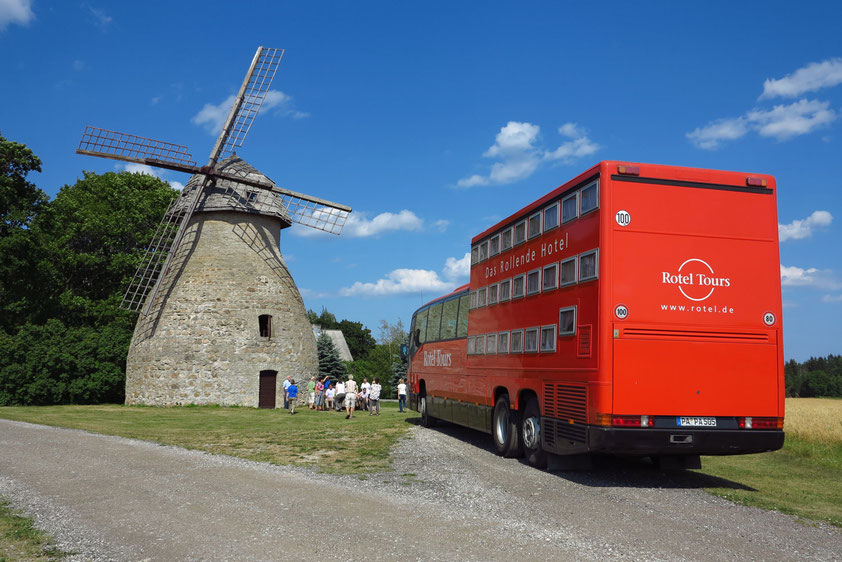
814 419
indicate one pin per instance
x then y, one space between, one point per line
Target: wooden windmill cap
225 193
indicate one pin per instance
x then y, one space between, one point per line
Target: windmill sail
291 207
133 148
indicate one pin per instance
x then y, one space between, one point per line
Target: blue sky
433 120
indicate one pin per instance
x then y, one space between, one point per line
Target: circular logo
768 318
623 218
621 312
696 271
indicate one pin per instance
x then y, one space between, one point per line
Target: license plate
696 422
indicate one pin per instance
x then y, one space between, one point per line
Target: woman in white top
401 395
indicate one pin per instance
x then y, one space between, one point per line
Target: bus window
505 290
491 344
551 217
503 342
569 208
421 326
535 225
520 232
494 246
530 340
519 286
589 198
434 322
483 251
516 341
462 326
449 318
587 265
533 282
567 321
548 338
506 240
568 271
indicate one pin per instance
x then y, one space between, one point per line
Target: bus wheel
504 430
530 426
426 419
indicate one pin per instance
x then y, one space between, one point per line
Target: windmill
221 319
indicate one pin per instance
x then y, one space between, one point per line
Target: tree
330 365
358 337
66 262
20 200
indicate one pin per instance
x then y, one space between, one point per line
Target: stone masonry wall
200 343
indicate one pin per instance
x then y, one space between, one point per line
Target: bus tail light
633 421
760 423
629 170
756 182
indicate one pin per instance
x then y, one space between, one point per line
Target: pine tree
330 364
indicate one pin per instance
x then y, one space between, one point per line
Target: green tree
330 364
20 200
63 337
358 337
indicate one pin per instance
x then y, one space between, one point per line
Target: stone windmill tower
221 320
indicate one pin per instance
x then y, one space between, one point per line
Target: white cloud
407 281
786 121
814 76
792 276
832 298
78 64
803 228
515 146
458 269
212 117
150 171
782 122
358 226
709 136
400 281
15 11
441 225
100 18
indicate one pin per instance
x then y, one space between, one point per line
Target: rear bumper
652 441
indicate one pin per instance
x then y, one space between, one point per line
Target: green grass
321 439
804 478
19 540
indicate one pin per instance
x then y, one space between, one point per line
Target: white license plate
696 422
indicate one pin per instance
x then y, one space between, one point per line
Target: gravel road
108 498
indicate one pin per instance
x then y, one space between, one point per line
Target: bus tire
530 432
426 419
504 430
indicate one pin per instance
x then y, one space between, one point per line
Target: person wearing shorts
374 398
350 397
311 393
292 396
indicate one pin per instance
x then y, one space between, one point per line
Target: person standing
401 395
350 397
365 389
286 387
311 393
292 395
374 398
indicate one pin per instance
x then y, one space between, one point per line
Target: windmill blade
314 212
155 263
249 99
132 148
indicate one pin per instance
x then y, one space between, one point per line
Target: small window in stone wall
265 321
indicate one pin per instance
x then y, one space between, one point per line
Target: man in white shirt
286 387
374 398
350 397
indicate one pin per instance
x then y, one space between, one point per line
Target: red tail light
756 182
760 423
633 421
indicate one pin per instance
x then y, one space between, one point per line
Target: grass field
804 478
19 540
322 439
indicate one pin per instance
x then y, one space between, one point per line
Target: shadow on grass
607 471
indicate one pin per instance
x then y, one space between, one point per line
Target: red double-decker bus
634 310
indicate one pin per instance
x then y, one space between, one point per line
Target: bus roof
651 170
462 289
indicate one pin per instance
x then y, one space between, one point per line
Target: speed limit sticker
768 318
621 312
623 218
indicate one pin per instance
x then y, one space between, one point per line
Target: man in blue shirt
292 395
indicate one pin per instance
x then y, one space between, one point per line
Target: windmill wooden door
268 387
